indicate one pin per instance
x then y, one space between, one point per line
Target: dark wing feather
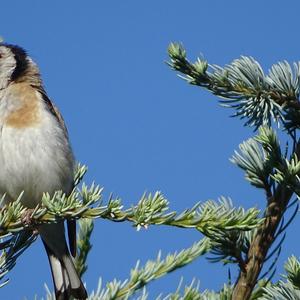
72 236
54 110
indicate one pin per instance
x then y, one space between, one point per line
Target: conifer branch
192 291
277 203
84 245
281 291
150 210
255 96
292 269
285 290
261 99
11 249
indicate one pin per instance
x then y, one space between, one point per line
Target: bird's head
16 65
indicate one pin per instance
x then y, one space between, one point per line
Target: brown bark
261 244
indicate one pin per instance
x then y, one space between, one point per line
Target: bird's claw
28 221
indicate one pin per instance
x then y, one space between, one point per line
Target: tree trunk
261 244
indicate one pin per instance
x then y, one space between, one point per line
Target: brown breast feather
27 115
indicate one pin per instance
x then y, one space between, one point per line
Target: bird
36 158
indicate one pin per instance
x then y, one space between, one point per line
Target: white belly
35 160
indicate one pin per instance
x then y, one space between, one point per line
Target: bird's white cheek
7 67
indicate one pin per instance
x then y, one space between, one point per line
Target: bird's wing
55 112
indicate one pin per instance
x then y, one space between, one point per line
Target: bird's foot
28 221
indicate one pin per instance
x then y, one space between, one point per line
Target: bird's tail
66 280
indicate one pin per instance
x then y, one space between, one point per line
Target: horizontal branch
207 217
212 218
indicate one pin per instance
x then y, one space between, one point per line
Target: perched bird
36 157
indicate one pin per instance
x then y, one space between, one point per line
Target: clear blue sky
139 127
